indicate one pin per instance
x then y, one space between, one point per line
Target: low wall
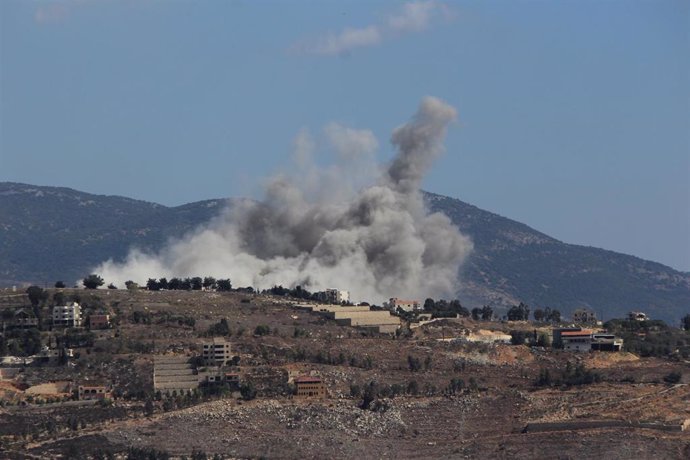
594 424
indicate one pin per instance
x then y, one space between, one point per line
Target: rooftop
307 379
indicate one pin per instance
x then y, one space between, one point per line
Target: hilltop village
203 370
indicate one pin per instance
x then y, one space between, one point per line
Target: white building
407 305
216 352
337 296
577 340
67 315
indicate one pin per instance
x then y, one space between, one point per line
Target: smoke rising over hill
322 229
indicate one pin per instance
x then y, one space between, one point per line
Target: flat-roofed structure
406 305
337 296
67 315
310 387
577 340
606 342
216 352
87 392
99 321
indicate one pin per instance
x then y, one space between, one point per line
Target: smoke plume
321 230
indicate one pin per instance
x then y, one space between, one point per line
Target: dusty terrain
482 418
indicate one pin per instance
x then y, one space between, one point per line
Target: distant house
337 296
602 341
577 340
87 392
637 316
406 305
216 352
584 316
67 315
99 321
310 387
23 320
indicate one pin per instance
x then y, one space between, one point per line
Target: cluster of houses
180 374
68 316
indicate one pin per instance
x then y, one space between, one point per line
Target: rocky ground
482 419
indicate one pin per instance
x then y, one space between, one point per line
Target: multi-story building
337 296
584 315
310 387
577 340
216 352
23 320
67 315
406 305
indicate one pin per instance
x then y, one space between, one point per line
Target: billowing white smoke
323 230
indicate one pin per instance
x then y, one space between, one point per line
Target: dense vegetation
651 338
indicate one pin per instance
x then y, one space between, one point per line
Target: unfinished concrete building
216 352
310 387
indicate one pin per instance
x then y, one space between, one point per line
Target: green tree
476 313
487 313
36 295
92 281
538 314
59 284
413 363
369 395
429 304
247 391
148 408
131 285
209 282
555 316
112 286
153 285
224 285
196 283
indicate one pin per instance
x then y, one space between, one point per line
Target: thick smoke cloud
319 230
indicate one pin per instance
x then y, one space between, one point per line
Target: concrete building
406 305
637 316
577 340
310 387
602 341
216 352
87 392
99 321
337 296
584 316
67 315
22 319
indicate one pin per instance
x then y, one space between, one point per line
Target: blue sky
574 116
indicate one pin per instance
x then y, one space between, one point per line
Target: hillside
49 233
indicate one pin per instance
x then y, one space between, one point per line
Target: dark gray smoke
323 230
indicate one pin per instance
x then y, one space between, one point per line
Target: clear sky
574 116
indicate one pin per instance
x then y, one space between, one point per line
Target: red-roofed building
310 387
577 340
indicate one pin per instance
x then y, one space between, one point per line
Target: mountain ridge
51 233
